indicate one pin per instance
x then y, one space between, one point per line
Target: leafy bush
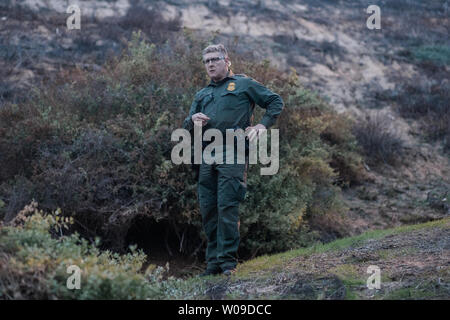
378 139
97 145
277 208
428 102
439 54
34 263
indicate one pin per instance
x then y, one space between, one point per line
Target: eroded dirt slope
414 263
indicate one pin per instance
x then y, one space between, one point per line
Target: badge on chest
231 86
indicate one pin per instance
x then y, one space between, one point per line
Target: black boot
210 272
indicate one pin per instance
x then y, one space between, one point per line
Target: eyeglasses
213 60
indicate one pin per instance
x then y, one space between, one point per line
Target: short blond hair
216 48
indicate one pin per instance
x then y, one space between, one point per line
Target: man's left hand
254 131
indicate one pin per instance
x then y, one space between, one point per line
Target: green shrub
100 150
439 54
428 103
277 209
34 263
379 141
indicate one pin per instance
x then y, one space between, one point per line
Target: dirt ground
413 265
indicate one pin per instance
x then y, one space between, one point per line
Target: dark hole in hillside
151 237
161 244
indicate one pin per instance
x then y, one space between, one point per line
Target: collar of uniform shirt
230 75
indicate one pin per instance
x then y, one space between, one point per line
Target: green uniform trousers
221 188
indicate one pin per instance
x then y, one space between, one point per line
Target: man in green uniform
226 103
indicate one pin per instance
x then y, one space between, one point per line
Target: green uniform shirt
228 103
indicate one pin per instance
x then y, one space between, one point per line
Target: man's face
217 70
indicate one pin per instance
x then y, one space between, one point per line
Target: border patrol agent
226 103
